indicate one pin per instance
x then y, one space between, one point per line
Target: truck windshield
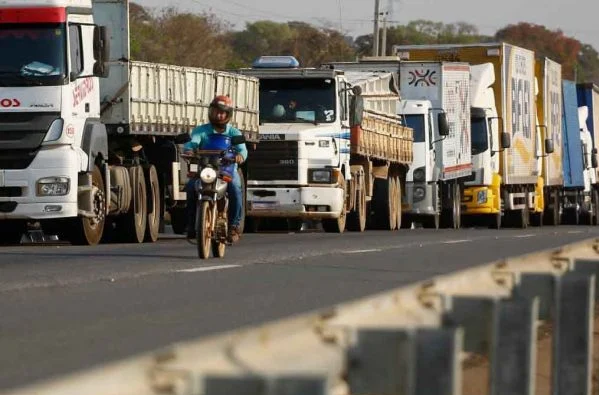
480 137
416 122
297 100
32 54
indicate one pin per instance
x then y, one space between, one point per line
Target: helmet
222 103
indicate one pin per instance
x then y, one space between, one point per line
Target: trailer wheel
382 204
153 195
88 231
398 194
132 226
356 219
178 219
337 225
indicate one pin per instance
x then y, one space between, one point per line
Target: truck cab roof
46 3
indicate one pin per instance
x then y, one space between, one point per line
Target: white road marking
206 268
361 251
573 232
456 241
524 236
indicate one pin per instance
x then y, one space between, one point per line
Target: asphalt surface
65 308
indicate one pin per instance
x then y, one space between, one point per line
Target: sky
576 18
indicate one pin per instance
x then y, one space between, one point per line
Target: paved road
64 308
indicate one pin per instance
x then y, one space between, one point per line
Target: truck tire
495 221
356 219
88 231
398 213
382 201
552 214
337 225
154 209
131 227
11 232
570 217
595 202
451 217
243 201
178 219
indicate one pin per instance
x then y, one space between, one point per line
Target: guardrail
411 340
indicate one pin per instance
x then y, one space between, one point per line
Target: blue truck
580 201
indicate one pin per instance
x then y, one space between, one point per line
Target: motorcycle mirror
237 140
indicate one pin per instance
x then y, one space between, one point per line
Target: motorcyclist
219 115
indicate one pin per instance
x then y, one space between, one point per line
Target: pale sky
576 18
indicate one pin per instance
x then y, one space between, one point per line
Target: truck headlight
419 193
320 176
53 186
419 174
208 175
55 130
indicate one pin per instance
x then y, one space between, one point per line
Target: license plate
1 178
262 205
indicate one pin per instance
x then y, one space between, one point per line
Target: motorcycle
214 168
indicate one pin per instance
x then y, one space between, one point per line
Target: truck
332 147
90 140
588 104
549 126
580 199
513 192
436 104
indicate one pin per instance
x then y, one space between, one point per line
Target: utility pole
384 44
375 36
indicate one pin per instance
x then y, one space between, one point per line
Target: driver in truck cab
219 114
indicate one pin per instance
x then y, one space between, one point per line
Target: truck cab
52 57
304 142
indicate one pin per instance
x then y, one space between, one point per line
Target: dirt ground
476 368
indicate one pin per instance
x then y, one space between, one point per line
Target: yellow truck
504 188
549 121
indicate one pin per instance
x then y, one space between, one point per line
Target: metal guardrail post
223 385
438 362
573 334
513 352
475 315
382 362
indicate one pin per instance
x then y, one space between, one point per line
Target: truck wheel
495 221
132 226
570 217
11 232
178 219
356 219
88 231
595 202
243 201
382 201
337 225
552 217
398 214
153 189
431 221
457 201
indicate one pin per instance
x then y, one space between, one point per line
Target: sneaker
234 234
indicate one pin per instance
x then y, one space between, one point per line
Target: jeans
235 201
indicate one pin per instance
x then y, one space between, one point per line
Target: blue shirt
199 134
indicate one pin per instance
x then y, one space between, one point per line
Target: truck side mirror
356 107
506 140
101 51
549 147
594 163
443 124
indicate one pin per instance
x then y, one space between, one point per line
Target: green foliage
203 40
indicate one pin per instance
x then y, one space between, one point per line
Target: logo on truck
81 91
521 97
423 78
6 103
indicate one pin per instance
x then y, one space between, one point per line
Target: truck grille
21 135
273 160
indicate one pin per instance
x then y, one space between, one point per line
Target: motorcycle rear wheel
204 231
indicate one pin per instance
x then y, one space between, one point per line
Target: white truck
332 147
436 104
516 189
88 138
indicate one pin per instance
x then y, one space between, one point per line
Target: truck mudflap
301 202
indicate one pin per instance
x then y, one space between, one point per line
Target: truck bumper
300 202
420 199
480 200
18 188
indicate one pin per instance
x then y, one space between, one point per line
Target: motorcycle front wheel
204 229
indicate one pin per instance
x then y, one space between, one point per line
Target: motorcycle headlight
208 175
